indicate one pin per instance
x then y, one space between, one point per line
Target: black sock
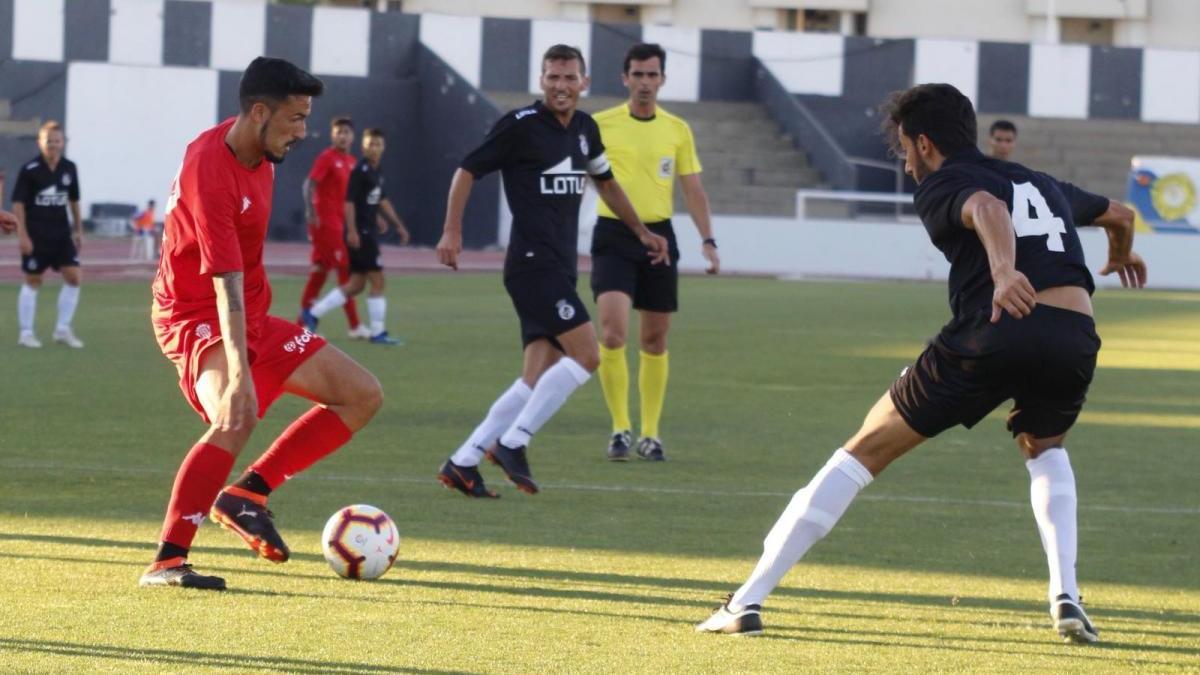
253 482
167 550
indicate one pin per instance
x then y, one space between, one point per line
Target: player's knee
370 396
612 338
654 343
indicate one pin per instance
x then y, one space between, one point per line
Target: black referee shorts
1044 362
366 257
53 252
620 263
546 303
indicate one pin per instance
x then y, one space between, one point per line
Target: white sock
549 394
499 417
332 300
1052 493
68 300
810 515
26 308
377 314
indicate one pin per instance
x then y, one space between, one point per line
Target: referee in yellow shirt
647 147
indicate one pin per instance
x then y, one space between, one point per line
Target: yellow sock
614 380
652 386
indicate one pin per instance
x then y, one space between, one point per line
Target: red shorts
328 248
274 356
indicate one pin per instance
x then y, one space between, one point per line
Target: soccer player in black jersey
1021 328
545 151
46 188
366 205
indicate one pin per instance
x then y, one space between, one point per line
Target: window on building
1086 31
614 13
821 21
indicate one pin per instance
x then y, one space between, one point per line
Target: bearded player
211 296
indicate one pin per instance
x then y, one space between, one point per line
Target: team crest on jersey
66 179
583 146
566 311
204 331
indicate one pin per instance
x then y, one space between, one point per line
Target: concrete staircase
1094 154
750 168
11 127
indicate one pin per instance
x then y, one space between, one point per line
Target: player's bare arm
8 222
77 225
22 230
696 199
310 213
450 245
990 219
239 403
352 240
612 194
1117 222
386 206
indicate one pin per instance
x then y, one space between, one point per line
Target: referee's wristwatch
710 242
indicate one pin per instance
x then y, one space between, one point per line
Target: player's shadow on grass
600 578
239 662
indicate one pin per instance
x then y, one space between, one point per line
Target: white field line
634 489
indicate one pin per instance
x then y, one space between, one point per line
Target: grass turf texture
937 566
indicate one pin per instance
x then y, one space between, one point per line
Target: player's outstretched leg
461 471
814 511
347 397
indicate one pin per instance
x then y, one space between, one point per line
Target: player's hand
77 239
26 245
8 222
238 406
352 240
448 248
1014 294
381 224
405 236
713 258
659 250
1131 269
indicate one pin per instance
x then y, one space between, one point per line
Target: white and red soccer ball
360 542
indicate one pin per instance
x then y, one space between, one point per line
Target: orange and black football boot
245 513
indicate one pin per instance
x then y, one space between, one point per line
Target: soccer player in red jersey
211 296
324 194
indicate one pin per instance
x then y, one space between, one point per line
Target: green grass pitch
937 567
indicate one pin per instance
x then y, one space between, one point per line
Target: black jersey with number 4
1045 212
45 194
545 166
365 191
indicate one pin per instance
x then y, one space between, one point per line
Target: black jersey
365 191
545 167
1045 213
45 194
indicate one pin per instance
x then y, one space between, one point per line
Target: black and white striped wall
1072 81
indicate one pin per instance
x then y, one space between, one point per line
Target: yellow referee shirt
646 155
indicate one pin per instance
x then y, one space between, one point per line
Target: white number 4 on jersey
1026 195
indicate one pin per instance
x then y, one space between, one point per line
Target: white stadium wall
129 147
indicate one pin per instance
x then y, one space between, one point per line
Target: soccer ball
360 542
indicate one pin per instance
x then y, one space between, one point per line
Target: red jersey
330 173
216 222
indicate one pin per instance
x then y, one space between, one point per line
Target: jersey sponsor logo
562 179
566 311
204 331
524 113
50 196
300 342
245 203
666 167
583 145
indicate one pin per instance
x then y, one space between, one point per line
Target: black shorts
546 303
1043 362
620 263
366 257
55 254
